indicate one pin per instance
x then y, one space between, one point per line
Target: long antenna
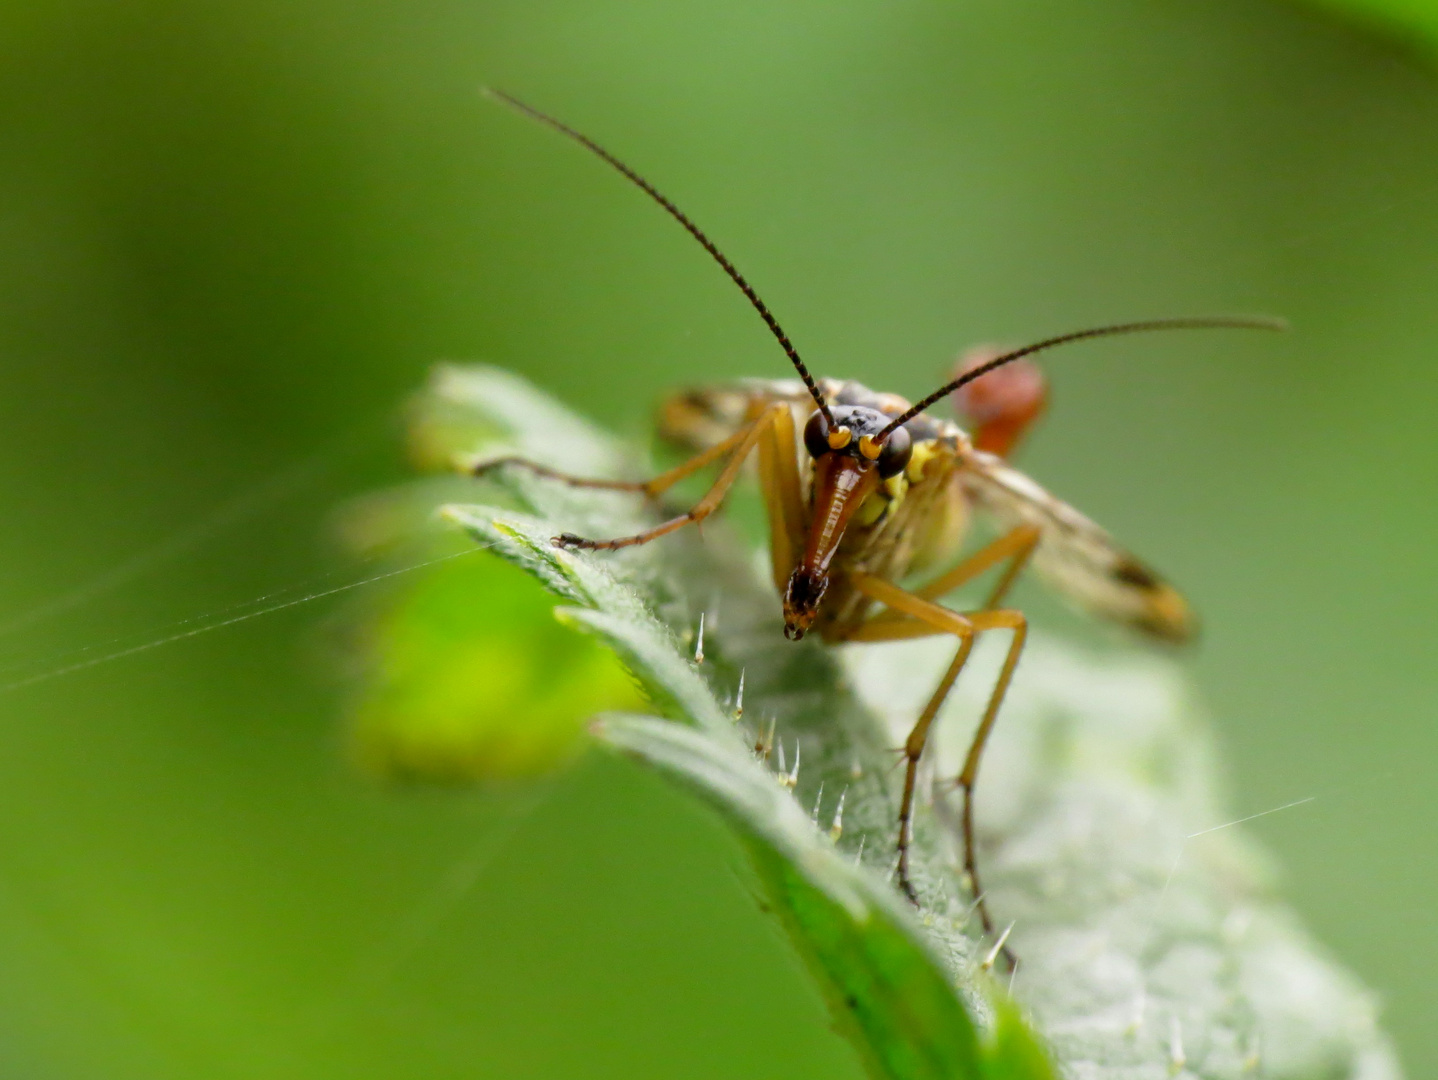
693 230
1214 322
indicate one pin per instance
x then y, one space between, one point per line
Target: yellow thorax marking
922 454
891 493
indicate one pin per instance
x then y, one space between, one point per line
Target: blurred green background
232 237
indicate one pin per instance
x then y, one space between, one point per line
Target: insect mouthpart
850 462
801 600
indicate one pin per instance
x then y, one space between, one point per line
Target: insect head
855 435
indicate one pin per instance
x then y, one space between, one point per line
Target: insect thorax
913 520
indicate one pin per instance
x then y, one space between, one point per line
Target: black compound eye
816 435
898 448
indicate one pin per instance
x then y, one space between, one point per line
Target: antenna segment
693 230
1242 322
1214 322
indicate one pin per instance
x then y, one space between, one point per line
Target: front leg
738 447
909 616
652 487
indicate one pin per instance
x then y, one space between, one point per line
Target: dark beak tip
792 632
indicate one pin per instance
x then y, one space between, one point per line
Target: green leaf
1151 941
1012 1050
884 982
463 690
610 612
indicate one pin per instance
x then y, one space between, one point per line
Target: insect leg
739 445
1017 546
925 618
988 620
654 486
783 496
918 617
480 468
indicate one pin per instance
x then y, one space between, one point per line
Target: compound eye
898 448
816 435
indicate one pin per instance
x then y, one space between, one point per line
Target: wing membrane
1075 555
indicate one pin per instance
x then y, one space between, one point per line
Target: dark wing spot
1133 573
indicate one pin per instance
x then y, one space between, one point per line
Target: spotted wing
1075 556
